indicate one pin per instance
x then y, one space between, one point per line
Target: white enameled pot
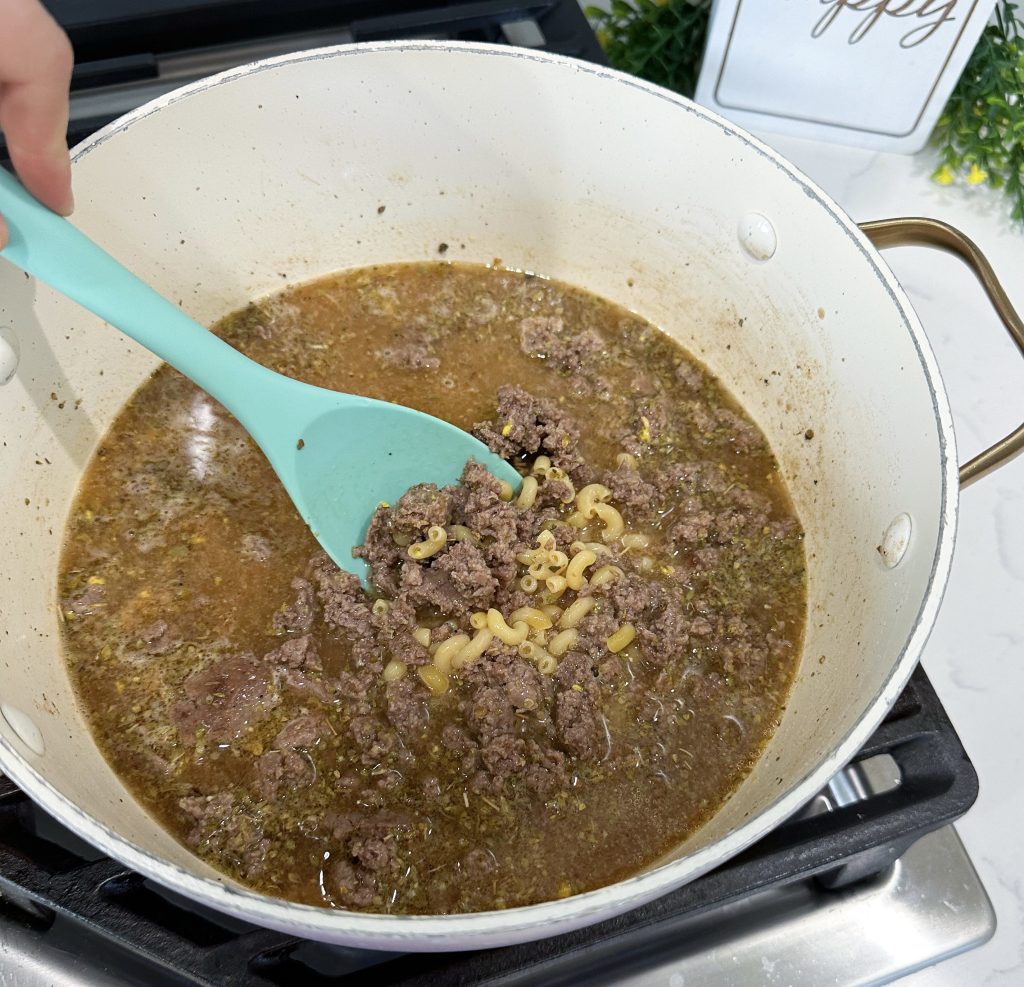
274 173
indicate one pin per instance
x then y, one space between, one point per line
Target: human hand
35 71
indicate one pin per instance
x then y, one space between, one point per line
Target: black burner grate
52 882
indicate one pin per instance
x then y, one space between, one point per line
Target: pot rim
523 923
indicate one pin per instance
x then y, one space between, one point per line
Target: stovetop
867 883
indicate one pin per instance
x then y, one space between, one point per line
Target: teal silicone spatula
338 455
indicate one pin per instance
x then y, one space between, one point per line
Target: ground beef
424 585
528 425
255 548
297 617
666 635
524 687
207 812
345 607
577 721
688 479
689 376
478 505
594 633
552 493
86 600
303 731
746 437
632 596
306 685
502 758
610 669
546 771
297 652
407 708
576 670
489 714
479 863
411 356
465 566
286 770
420 507
353 686
631 491
350 885
693 524
371 852
392 632
515 677
505 690
218 823
382 553
225 698
365 853
159 638
372 738
456 740
548 338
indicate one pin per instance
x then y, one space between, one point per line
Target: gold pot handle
919 231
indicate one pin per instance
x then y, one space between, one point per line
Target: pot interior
275 176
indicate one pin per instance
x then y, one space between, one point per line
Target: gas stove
867 883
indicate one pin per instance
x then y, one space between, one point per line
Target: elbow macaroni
535 618
436 539
635 541
563 641
605 575
589 497
394 670
574 576
527 493
612 520
547 664
499 628
459 532
474 649
622 638
434 679
576 611
447 650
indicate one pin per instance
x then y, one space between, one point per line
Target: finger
35 69
3 233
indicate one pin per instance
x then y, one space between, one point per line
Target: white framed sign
875 73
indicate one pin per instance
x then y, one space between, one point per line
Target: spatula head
349 459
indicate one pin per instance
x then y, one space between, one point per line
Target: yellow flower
944 176
976 175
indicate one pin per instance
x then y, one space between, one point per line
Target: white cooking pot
273 174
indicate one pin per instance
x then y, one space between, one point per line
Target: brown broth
177 490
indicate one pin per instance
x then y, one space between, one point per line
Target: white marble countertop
975 656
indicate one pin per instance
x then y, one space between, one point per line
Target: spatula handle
48 247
